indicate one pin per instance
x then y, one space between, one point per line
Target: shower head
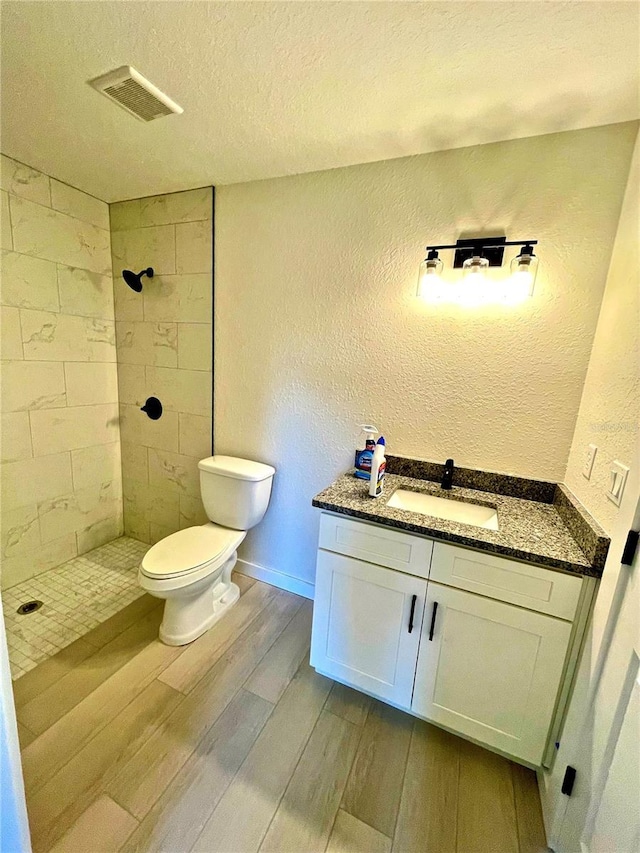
134 279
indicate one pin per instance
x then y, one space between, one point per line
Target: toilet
191 569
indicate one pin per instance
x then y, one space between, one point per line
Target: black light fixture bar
480 244
491 248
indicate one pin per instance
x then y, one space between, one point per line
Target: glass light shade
430 285
523 275
473 287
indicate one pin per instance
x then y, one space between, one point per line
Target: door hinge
569 779
630 548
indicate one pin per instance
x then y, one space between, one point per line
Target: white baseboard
275 578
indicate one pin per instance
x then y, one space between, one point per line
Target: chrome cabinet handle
414 598
433 620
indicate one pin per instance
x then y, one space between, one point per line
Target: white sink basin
451 510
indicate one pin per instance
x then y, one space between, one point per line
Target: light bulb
523 275
475 267
430 285
472 289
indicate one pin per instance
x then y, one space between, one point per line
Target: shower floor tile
77 596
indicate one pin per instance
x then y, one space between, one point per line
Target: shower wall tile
96 465
194 247
158 532
147 343
78 510
188 206
163 508
135 461
182 390
28 385
179 298
91 383
22 180
174 472
145 247
194 346
63 337
135 524
24 566
137 428
16 436
60 432
191 512
55 430
151 504
128 303
49 234
195 435
164 350
125 215
29 282
132 384
19 530
7 239
66 199
86 293
101 532
33 480
11 338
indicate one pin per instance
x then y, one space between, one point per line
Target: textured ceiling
279 88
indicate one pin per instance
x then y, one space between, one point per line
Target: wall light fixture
475 257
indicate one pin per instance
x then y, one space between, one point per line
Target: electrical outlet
619 473
587 468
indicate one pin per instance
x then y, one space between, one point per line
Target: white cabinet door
489 670
366 626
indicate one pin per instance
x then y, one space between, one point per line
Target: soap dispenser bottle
364 456
378 466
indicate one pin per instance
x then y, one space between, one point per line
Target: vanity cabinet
481 645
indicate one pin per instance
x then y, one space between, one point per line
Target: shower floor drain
29 607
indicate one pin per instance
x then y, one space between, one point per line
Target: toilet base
186 619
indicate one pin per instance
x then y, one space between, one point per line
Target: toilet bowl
191 569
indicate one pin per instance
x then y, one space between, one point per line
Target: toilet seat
191 551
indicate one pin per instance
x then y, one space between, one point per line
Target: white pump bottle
378 466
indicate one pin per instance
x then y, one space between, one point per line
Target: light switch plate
587 468
619 473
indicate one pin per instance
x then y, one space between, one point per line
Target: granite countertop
542 531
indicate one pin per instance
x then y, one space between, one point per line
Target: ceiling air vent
128 88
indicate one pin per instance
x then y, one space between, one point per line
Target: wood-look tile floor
234 744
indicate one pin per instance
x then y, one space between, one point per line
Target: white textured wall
609 417
318 328
61 490
609 414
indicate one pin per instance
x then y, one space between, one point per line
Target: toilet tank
235 492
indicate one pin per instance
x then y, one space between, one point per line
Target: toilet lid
189 549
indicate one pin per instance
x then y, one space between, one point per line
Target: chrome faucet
447 476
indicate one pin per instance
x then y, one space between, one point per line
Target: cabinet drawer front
380 545
506 580
489 670
366 626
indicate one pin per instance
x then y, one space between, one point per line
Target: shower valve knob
152 408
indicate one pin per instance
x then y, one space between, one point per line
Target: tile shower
163 338
81 465
76 596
